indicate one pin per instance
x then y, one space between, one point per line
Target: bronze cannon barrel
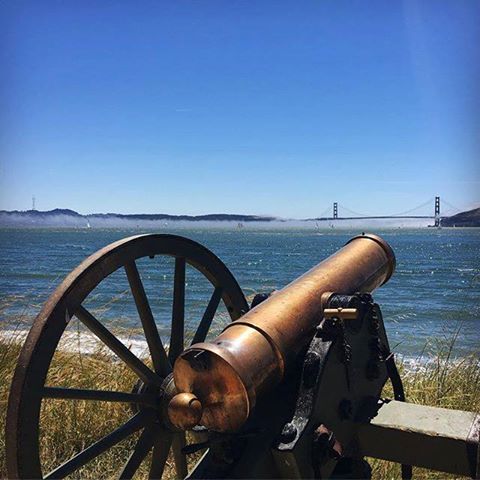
252 354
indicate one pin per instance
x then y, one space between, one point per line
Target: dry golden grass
74 425
442 383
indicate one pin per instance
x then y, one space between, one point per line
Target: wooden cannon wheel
148 420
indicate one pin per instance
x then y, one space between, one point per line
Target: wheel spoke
99 395
117 347
142 447
180 458
94 450
159 357
178 311
161 447
207 318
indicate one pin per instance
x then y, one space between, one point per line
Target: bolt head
289 432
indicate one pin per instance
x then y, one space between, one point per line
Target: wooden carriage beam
435 438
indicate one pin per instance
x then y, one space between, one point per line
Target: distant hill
470 218
40 214
60 217
218 217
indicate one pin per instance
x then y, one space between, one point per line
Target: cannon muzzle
253 353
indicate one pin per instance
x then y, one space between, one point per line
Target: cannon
291 388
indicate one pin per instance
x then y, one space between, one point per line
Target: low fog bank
27 220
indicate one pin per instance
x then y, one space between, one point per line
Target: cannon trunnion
290 389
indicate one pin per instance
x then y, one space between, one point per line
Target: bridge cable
452 207
429 201
324 214
353 212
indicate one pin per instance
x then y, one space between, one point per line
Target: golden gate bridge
348 214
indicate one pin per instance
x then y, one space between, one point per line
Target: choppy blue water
434 292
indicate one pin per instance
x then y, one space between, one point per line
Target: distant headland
63 217
66 218
470 218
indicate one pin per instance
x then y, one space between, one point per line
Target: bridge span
375 217
409 214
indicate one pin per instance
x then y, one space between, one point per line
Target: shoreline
85 343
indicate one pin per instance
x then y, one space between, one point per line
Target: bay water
432 300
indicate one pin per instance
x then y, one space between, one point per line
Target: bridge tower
335 210
437 211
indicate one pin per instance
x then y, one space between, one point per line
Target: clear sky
261 107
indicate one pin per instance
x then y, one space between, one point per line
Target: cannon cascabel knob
185 411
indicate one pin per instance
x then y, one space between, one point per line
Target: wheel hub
162 396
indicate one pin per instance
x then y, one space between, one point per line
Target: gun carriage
290 389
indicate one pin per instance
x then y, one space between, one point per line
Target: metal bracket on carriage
329 393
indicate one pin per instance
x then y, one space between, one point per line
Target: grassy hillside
73 425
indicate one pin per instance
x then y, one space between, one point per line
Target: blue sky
238 106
